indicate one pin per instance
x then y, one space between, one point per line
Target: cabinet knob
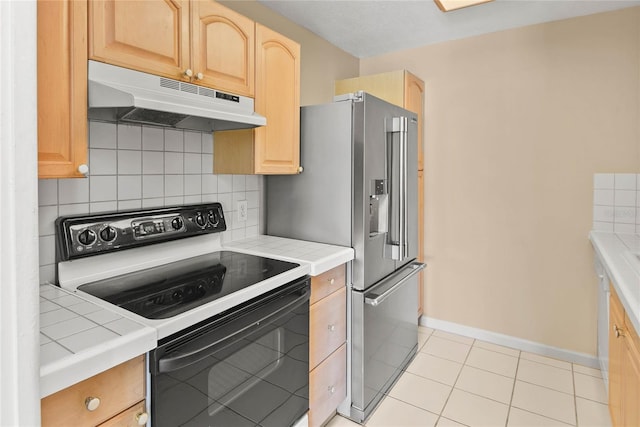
83 169
142 418
618 331
188 72
199 76
331 389
92 403
300 169
332 281
331 327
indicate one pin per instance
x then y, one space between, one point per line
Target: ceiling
366 28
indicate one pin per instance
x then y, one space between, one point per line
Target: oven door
246 367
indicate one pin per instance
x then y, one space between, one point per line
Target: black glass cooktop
165 291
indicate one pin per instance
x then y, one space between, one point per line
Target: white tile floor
459 381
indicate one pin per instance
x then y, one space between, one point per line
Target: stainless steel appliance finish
359 189
117 93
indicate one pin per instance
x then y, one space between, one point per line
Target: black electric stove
171 289
167 290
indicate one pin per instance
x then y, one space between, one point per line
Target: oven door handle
230 332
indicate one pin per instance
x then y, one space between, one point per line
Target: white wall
516 124
19 320
133 167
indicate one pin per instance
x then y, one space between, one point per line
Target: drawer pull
618 331
331 327
92 403
331 389
332 281
142 418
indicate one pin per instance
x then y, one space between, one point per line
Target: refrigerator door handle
400 125
373 298
404 191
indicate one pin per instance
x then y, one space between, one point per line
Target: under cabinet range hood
121 94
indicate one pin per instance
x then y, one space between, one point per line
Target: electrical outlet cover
242 210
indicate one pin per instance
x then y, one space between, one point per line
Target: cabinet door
150 36
414 101
223 48
616 358
327 326
277 145
129 418
62 88
327 387
388 86
118 389
631 376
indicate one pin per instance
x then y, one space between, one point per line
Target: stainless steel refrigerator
359 188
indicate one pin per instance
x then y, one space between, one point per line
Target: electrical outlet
242 210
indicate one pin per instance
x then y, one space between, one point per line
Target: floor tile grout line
513 390
543 416
575 401
545 387
549 365
453 387
545 363
407 403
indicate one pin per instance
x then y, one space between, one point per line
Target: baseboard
513 342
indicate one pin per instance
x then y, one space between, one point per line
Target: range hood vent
120 94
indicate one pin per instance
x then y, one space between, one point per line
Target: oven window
259 380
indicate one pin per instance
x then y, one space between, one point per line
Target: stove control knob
200 220
108 234
87 237
213 218
177 223
177 295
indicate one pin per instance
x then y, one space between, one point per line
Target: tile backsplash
133 167
616 202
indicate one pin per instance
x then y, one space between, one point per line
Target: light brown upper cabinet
62 88
397 87
198 41
275 148
407 91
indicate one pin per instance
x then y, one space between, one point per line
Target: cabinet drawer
118 388
327 324
327 387
132 417
326 283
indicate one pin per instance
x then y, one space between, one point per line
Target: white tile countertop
616 251
320 256
79 339
82 336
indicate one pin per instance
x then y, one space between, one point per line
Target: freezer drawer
384 337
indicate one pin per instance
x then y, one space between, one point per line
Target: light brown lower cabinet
113 398
327 345
327 386
624 366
